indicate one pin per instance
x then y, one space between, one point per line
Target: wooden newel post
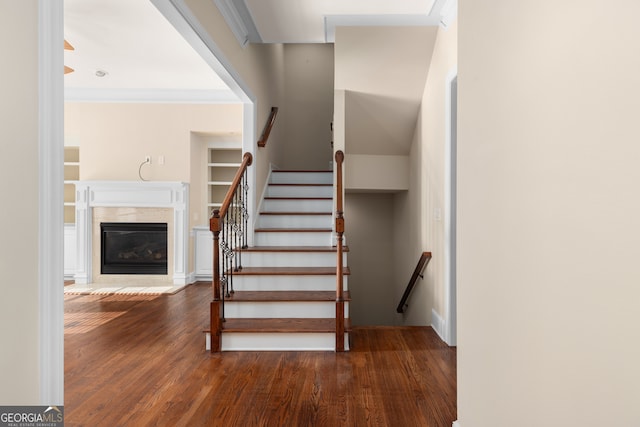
216 324
339 270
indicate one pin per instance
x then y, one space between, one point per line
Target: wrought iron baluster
228 225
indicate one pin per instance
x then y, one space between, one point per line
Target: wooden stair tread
298 198
302 184
290 271
282 325
295 213
289 296
292 249
293 230
300 170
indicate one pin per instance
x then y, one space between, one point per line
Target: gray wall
307 112
369 235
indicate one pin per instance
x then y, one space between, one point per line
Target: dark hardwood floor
140 361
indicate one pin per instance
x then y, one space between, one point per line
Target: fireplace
100 202
133 248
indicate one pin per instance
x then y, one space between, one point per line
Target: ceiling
146 59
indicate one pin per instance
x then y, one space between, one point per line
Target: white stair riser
291 259
278 341
287 283
294 221
274 309
299 191
301 177
302 205
312 238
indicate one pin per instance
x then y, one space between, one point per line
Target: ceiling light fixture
101 73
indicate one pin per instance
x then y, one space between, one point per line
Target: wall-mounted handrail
339 229
229 226
422 264
267 127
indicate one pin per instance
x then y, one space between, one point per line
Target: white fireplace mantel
131 194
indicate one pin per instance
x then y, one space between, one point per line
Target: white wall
19 335
548 278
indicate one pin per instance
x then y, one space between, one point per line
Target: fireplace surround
131 201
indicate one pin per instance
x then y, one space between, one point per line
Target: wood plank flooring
140 361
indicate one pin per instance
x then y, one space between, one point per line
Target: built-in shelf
222 164
71 174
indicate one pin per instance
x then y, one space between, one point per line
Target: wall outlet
147 159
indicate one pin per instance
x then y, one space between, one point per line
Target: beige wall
307 110
114 139
548 284
417 228
383 70
19 366
261 68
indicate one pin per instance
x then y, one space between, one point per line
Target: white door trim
450 212
50 201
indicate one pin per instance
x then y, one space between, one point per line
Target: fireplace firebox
133 248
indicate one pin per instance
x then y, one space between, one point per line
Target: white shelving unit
71 173
222 164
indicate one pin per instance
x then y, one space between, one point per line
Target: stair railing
267 127
422 264
339 229
229 226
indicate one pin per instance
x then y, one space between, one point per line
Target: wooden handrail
267 127
217 223
422 264
339 250
247 160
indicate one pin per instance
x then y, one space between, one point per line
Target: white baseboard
438 324
456 424
191 278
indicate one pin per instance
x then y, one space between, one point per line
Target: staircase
284 296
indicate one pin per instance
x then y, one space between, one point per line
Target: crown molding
237 16
185 96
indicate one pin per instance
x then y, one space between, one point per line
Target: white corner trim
449 333
50 198
456 424
438 324
448 13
